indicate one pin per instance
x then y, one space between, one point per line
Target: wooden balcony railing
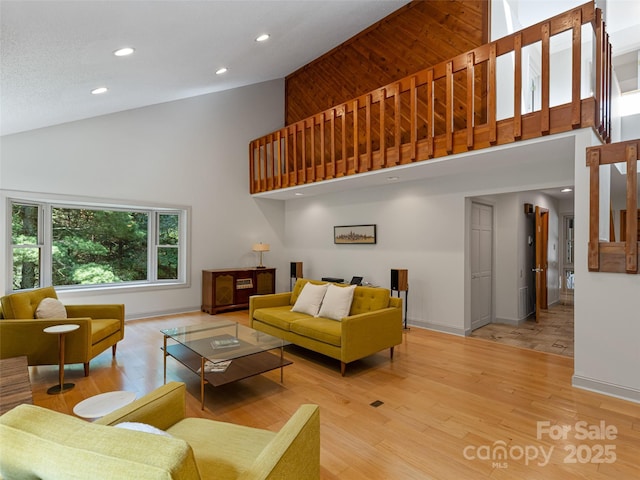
612 256
447 109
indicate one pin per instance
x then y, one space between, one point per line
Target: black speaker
296 269
399 279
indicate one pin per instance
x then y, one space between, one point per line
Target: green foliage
98 246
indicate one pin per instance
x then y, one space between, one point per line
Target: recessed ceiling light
298 194
123 52
263 37
393 179
99 90
565 190
222 70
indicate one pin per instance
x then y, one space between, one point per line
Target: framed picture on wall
354 234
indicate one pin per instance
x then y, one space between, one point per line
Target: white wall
607 306
422 226
190 153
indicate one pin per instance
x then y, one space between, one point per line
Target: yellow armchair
101 327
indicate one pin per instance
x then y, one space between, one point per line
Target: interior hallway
553 333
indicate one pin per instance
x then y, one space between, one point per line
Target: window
73 245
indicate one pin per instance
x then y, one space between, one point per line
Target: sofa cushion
51 308
36 441
369 299
319 328
336 302
310 299
280 317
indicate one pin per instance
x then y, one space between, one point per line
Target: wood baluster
544 114
608 90
430 114
383 146
470 99
313 150
449 107
303 151
295 155
368 131
356 139
323 159
593 162
398 124
414 119
285 158
517 91
252 170
492 96
269 158
599 72
631 246
345 163
263 164
332 174
576 60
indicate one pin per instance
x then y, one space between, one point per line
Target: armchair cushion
24 304
51 308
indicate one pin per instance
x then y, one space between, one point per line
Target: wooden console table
230 288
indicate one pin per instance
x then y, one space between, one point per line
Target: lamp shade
260 247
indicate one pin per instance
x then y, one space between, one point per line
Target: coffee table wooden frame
245 366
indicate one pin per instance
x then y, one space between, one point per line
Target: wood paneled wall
419 35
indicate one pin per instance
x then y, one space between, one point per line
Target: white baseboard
161 313
606 388
438 328
510 321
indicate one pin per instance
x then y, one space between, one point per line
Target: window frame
45 235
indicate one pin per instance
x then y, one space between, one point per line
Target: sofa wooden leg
343 368
86 369
391 353
113 349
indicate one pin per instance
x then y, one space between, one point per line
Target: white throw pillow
51 308
142 427
337 302
310 299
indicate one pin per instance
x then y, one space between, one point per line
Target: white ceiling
54 52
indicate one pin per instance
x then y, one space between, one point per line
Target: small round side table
61 331
103 404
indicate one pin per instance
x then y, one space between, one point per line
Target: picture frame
354 234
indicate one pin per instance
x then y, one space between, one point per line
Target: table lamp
260 247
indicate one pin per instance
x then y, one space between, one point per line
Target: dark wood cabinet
230 288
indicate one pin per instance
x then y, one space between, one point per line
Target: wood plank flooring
452 407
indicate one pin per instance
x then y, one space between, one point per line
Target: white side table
61 330
102 404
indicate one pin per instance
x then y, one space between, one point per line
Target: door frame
542 253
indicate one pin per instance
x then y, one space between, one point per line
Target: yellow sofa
373 324
101 327
40 443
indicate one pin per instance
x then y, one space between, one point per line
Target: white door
481 264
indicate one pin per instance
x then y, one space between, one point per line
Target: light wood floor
552 333
448 404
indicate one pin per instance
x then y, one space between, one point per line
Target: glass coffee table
223 352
